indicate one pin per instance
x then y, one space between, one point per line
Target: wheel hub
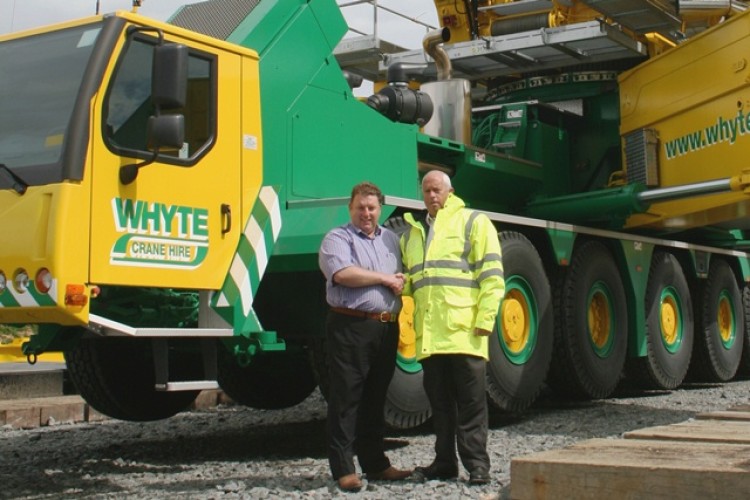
407 339
515 320
725 319
669 323
599 319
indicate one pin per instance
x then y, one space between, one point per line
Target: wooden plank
725 415
33 412
62 409
634 468
207 398
19 417
710 431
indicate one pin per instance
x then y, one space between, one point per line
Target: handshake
395 282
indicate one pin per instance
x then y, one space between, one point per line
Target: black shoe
434 471
479 477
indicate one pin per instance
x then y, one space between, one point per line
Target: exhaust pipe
431 44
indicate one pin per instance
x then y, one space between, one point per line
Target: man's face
434 193
365 213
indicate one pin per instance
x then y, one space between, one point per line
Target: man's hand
481 332
395 282
354 277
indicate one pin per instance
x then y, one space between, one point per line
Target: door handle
226 218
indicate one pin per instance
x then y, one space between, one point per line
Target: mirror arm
129 172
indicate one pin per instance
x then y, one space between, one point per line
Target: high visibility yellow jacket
457 282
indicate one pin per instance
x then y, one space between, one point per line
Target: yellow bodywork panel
175 226
178 226
45 228
703 130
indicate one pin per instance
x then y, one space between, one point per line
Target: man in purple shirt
362 265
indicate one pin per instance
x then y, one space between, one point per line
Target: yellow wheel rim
407 338
600 318
725 319
515 320
669 322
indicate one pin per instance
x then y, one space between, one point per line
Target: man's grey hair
446 179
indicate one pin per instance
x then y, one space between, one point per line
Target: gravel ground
232 452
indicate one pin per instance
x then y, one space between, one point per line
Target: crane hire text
159 235
159 219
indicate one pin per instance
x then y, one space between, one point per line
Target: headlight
21 281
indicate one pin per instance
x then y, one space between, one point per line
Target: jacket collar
452 205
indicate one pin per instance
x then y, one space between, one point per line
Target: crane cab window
128 105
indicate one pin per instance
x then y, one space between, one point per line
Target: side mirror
162 131
166 131
169 76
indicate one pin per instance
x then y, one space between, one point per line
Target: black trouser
361 360
455 385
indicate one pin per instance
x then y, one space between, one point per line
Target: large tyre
720 314
270 381
521 346
292 304
745 362
116 377
406 404
591 325
669 327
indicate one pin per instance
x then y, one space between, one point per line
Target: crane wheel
270 381
669 327
718 344
591 325
116 377
745 362
521 348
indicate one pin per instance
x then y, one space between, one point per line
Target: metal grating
641 16
547 48
216 18
364 54
641 157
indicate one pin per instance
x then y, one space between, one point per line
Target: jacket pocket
460 312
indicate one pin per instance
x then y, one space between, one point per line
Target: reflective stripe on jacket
457 283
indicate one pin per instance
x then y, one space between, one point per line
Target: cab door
173 225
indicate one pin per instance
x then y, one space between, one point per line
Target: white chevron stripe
23 299
238 272
241 278
271 201
258 242
28 300
222 301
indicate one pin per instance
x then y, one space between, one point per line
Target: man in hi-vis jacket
454 272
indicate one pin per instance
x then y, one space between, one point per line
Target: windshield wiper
19 184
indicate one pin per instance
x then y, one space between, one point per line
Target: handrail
377 6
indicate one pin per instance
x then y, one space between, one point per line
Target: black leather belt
383 317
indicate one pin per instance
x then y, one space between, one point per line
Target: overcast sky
17 15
